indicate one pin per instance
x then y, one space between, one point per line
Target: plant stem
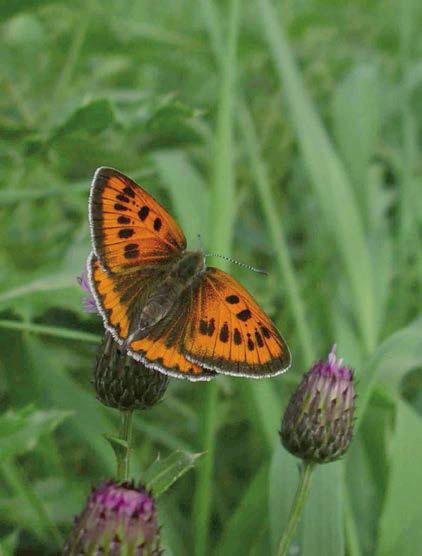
297 507
123 455
223 211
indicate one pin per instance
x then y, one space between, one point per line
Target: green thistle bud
318 423
124 383
119 520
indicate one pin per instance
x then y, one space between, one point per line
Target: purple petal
88 302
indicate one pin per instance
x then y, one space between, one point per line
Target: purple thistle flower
118 519
318 423
88 302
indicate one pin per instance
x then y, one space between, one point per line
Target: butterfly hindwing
229 333
161 349
129 227
119 296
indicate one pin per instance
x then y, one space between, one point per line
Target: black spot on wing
265 331
237 337
232 299
157 224
126 232
244 315
123 220
143 213
122 198
129 192
120 207
259 340
131 251
224 333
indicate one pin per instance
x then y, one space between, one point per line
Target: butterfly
160 301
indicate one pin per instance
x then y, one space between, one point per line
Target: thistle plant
119 519
317 426
123 383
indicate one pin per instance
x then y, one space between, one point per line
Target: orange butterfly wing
129 228
230 334
119 297
162 348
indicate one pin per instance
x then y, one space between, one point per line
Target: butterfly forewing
129 227
230 333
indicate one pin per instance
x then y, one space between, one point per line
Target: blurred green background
288 134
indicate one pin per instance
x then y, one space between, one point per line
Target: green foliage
286 134
164 472
20 431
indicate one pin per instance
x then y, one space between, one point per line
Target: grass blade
400 531
222 219
328 177
46 330
277 235
244 523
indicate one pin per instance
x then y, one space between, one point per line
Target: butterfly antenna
244 265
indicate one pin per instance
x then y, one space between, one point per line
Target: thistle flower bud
124 383
119 519
120 381
318 423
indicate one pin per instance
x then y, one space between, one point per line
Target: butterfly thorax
181 275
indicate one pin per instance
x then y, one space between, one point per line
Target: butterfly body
161 302
164 296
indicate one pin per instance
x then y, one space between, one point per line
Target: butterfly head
190 265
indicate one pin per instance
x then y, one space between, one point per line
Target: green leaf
46 367
395 357
187 190
263 407
93 117
8 544
328 177
323 515
400 529
357 114
47 283
164 472
20 431
12 7
283 479
247 519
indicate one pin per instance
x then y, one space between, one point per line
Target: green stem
297 507
223 209
57 331
123 455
